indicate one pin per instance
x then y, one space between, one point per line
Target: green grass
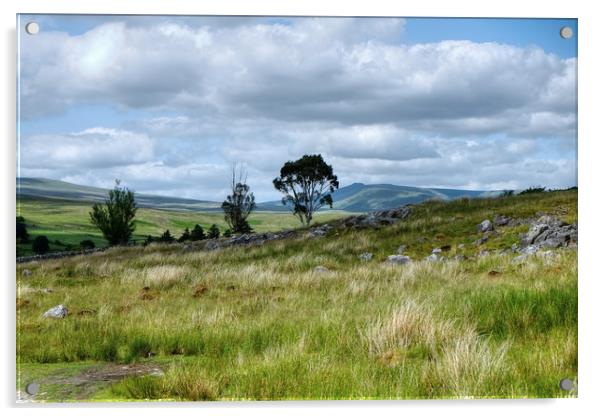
267 327
69 222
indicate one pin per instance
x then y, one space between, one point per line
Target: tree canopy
307 185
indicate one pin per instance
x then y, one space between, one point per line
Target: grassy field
68 223
261 323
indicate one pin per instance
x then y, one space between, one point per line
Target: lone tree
40 245
22 234
307 185
239 204
116 218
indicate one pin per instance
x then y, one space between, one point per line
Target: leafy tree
185 236
40 245
307 185
166 237
227 233
213 232
197 233
87 244
507 193
22 234
116 218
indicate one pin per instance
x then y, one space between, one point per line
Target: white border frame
590 286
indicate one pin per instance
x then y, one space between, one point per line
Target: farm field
304 318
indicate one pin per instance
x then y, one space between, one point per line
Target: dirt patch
83 385
199 291
494 273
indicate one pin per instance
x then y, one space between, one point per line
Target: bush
22 234
166 237
533 190
87 244
185 236
213 232
40 245
197 233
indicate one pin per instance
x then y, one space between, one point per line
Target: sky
168 104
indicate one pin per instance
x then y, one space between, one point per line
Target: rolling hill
357 197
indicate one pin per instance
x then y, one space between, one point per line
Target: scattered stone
26 273
436 250
365 256
460 257
47 290
401 249
321 269
481 241
398 259
433 257
57 312
483 253
530 250
484 226
461 246
212 245
501 220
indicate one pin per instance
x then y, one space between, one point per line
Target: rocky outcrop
377 219
550 232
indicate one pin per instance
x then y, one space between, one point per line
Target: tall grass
267 326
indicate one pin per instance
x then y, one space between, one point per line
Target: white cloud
218 91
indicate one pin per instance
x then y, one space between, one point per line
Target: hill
353 198
314 318
359 197
39 188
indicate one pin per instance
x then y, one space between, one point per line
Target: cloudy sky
168 104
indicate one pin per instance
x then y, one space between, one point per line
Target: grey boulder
57 312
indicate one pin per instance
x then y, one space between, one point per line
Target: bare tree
240 203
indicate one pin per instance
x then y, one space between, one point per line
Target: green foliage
116 218
185 236
213 232
166 237
533 190
87 244
307 185
197 233
40 245
228 233
22 234
507 193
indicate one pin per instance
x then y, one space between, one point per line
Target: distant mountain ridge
356 197
359 197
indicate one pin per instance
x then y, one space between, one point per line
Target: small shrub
213 232
533 190
87 245
41 245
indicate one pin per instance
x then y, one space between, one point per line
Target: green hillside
307 318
